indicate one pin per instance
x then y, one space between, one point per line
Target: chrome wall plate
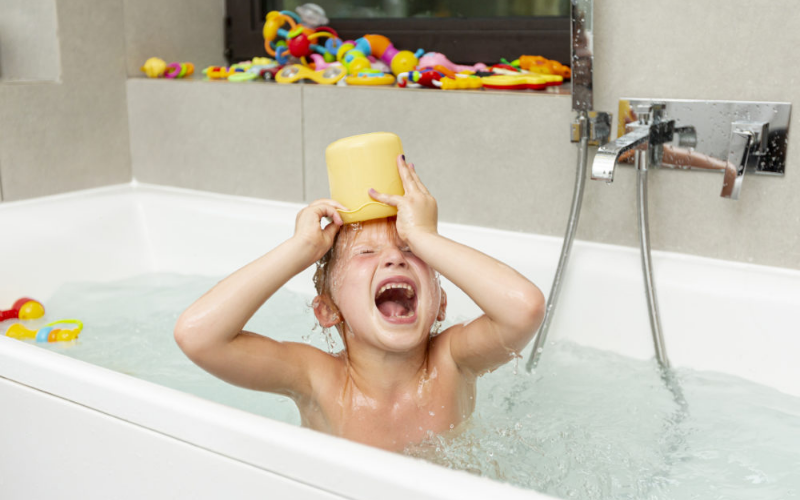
706 138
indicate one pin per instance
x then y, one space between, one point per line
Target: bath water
587 424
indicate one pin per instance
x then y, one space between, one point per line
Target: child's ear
442 307
326 311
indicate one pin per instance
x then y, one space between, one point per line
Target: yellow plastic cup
358 163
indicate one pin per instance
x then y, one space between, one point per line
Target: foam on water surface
587 424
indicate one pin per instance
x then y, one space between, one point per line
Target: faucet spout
607 157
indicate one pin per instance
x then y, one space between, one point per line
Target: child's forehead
378 230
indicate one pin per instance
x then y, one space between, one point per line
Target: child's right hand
308 226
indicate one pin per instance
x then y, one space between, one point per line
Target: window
466 31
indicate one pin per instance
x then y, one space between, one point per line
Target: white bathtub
69 429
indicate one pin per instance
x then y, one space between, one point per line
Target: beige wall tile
57 137
491 159
28 40
176 31
717 49
242 139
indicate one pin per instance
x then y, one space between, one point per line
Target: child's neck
385 375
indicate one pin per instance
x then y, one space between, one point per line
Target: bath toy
504 69
400 61
539 64
358 163
312 15
157 68
461 82
372 77
432 59
48 333
520 82
221 72
425 78
23 308
179 70
154 67
245 76
285 38
295 72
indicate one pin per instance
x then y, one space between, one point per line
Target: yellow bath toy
361 162
154 67
295 72
48 333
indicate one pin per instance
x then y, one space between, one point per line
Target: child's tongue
392 308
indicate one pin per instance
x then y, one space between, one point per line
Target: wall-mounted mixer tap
725 136
645 136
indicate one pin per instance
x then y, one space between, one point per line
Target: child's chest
434 406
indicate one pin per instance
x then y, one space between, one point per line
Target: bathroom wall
492 159
71 133
176 31
28 40
504 159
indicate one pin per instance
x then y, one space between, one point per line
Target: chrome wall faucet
731 137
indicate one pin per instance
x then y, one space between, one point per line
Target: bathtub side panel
84 453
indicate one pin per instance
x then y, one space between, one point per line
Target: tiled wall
72 133
500 159
28 40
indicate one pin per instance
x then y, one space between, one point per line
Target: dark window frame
462 40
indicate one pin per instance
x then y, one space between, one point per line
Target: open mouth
396 299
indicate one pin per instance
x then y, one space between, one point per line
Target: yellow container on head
361 162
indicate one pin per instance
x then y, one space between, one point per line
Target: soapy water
586 424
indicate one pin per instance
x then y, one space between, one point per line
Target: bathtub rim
299 454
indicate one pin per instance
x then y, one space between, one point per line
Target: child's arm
210 331
513 306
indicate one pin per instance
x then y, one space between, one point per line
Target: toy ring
368 78
173 70
295 72
48 333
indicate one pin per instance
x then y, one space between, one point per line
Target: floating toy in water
295 72
520 82
370 77
23 308
48 333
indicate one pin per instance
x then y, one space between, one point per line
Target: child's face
387 296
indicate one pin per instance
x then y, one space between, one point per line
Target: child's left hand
416 210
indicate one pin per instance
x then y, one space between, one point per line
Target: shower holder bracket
599 124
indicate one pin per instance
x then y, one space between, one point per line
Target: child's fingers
389 199
331 230
328 202
412 170
409 184
324 210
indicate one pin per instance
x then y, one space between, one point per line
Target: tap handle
748 139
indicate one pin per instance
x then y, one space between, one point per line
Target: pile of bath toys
29 310
301 48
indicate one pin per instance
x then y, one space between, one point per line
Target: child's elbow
185 334
530 312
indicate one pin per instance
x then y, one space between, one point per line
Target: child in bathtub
396 380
